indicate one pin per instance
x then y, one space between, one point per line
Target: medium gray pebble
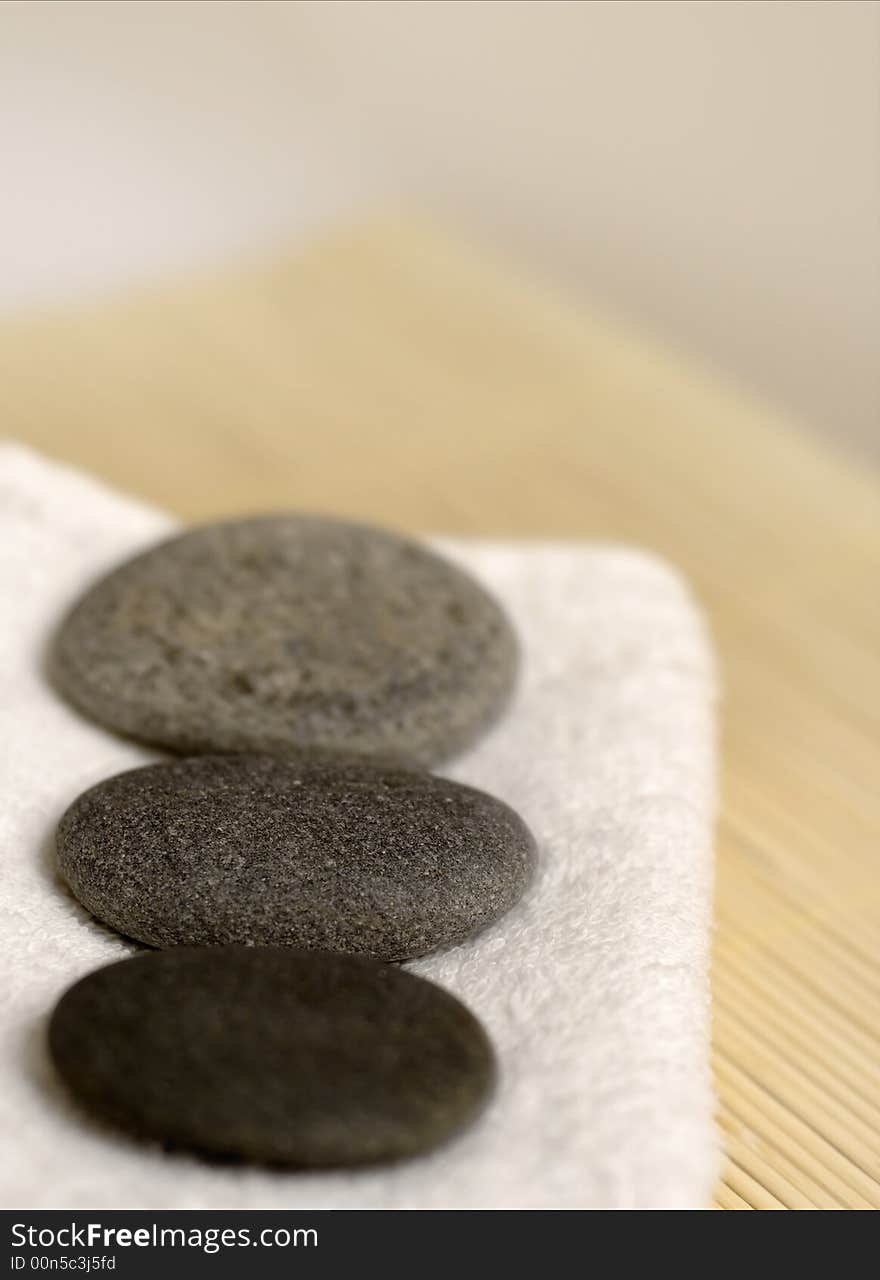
290 632
333 855
272 1055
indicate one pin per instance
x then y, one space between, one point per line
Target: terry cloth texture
594 988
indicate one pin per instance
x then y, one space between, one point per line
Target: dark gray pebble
333 855
290 632
272 1055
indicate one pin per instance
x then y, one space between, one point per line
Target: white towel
594 989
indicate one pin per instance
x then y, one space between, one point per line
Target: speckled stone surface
272 1055
335 855
287 632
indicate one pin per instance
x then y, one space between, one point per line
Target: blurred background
709 171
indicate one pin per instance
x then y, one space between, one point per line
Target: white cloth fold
594 989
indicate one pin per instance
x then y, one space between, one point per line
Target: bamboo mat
393 374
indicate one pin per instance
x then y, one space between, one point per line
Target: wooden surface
393 374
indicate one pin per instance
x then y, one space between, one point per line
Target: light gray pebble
290 632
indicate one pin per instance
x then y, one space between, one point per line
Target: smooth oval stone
290 632
337 856
293 1057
